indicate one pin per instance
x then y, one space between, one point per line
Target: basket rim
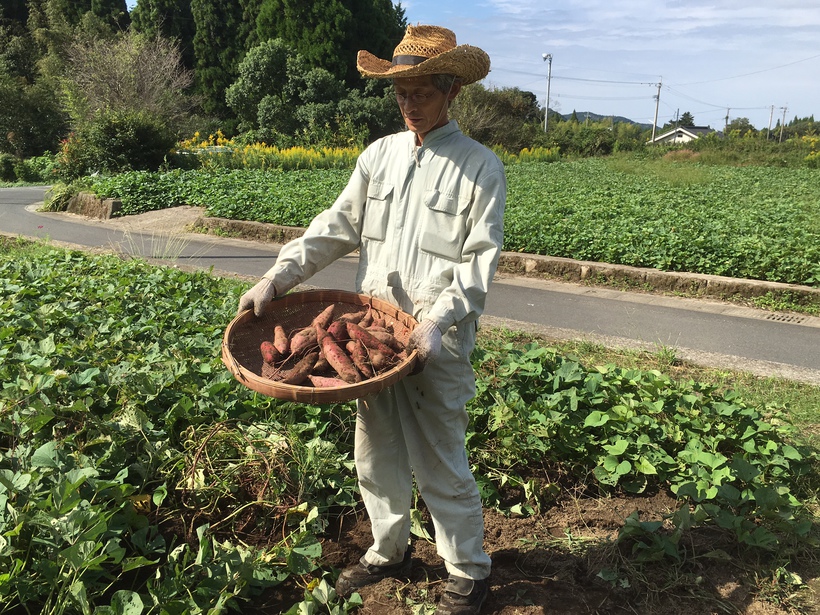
301 393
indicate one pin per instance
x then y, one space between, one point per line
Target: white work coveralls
429 224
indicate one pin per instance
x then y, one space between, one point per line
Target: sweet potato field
746 222
137 476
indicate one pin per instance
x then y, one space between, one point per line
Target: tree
127 102
31 118
132 73
582 139
314 30
113 12
14 13
506 117
217 51
171 19
378 26
686 120
279 99
262 73
329 34
740 127
18 53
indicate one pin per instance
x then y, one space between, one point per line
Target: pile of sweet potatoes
332 350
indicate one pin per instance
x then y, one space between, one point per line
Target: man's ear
454 90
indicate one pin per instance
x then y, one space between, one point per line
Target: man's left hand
426 339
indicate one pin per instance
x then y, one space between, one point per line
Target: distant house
683 134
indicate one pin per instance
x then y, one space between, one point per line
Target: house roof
692 131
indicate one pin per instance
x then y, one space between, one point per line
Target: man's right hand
258 297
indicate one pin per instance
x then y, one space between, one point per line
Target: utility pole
547 58
782 123
769 129
726 123
657 104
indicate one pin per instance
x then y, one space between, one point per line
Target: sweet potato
358 333
303 339
386 338
352 316
338 329
321 365
280 340
326 381
325 317
379 360
300 372
367 319
269 353
339 361
358 354
378 322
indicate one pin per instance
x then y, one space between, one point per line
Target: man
425 208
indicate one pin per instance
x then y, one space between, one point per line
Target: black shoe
355 577
463 596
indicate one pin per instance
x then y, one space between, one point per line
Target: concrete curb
565 269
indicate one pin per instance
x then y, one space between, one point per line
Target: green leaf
159 495
623 468
132 563
617 449
766 497
47 345
125 602
78 592
86 376
789 452
417 525
644 466
744 470
761 537
45 456
596 418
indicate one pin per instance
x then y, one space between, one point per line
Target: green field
745 222
130 459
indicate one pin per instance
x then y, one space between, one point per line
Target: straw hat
427 50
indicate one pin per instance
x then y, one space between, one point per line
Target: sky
711 58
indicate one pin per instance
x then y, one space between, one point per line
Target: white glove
258 297
426 339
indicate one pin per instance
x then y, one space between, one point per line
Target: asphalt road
708 333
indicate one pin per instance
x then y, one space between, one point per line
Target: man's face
422 105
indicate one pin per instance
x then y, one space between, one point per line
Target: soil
548 564
171 221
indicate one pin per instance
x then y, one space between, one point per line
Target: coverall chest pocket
377 210
444 230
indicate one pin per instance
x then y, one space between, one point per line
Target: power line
607 81
570 96
757 72
682 95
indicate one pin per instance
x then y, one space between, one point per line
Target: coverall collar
437 134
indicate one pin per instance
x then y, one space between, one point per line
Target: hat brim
466 62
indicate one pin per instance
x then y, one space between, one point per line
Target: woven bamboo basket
294 311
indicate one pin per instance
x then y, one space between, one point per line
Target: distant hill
596 117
